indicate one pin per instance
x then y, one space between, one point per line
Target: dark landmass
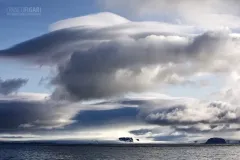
126 139
112 145
216 141
210 142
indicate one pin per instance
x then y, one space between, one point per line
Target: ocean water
47 152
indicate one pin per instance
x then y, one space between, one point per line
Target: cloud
97 62
203 129
158 118
59 44
140 131
230 90
105 68
185 115
103 19
163 134
175 138
162 116
29 115
210 13
213 113
41 116
11 85
94 60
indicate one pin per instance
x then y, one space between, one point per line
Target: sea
84 152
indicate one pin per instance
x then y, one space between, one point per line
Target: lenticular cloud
104 19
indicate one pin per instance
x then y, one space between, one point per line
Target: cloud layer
96 62
11 85
93 59
161 118
209 13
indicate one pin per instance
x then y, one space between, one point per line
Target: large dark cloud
99 62
129 65
11 85
50 47
26 116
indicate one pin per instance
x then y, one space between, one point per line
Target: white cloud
95 20
204 13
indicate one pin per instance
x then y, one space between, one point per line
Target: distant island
216 141
126 139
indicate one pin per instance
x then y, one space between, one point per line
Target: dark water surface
48 152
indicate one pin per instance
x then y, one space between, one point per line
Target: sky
95 70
